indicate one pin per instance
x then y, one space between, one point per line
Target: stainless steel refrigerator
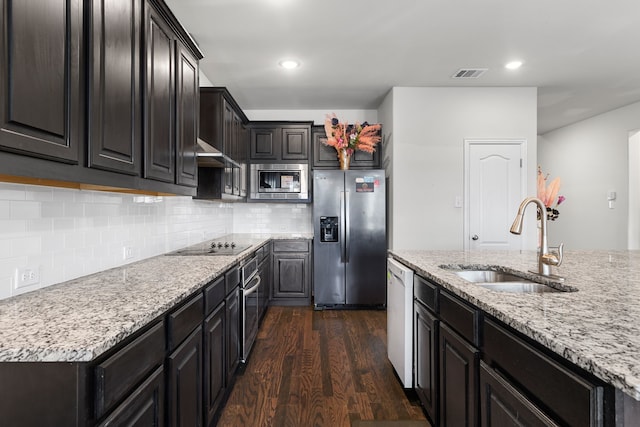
349 245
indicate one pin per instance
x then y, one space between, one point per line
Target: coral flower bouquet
549 194
347 138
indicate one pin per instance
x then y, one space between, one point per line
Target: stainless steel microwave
279 182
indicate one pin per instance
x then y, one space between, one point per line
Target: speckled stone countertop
80 319
597 327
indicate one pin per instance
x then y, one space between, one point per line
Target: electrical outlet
127 252
27 276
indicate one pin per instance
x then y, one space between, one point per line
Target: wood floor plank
318 368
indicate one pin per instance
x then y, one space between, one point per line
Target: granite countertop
597 327
78 320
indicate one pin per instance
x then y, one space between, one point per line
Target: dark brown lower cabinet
291 283
426 357
459 362
185 382
144 407
565 394
501 405
214 362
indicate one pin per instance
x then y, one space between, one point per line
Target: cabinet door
144 407
40 78
265 143
425 359
502 405
159 139
117 376
233 332
295 144
114 86
214 362
324 156
364 160
458 380
185 382
291 275
187 105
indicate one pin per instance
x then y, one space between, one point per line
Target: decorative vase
345 159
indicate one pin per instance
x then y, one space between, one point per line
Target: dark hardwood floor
318 368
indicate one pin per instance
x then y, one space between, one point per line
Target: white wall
385 116
591 158
634 191
429 128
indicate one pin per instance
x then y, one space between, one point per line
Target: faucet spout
545 258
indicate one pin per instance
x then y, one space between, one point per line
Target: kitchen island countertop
78 320
596 328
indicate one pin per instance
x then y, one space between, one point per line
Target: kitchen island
596 327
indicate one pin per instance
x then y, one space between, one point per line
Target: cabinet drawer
501 404
145 405
185 319
570 398
460 316
426 292
116 376
213 295
291 246
231 279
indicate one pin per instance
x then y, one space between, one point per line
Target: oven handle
253 288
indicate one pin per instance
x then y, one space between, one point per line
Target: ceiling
583 55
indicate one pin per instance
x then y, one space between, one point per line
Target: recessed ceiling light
514 65
289 64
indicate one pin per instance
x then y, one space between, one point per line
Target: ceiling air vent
469 73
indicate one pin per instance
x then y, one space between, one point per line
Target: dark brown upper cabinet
265 142
159 140
41 79
326 157
280 141
187 106
114 86
222 122
295 143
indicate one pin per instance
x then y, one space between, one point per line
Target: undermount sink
501 281
488 276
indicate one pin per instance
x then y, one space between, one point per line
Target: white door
494 188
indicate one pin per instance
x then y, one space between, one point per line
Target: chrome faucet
546 257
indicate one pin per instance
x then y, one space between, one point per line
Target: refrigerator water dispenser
329 229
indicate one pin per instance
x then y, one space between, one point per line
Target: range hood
210 157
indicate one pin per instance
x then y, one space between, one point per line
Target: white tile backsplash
69 233
272 218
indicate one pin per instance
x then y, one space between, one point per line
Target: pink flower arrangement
548 194
343 136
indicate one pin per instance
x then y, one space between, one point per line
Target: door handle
342 228
347 233
474 237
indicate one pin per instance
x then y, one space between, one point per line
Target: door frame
468 143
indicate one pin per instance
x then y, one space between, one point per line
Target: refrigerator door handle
347 227
342 228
